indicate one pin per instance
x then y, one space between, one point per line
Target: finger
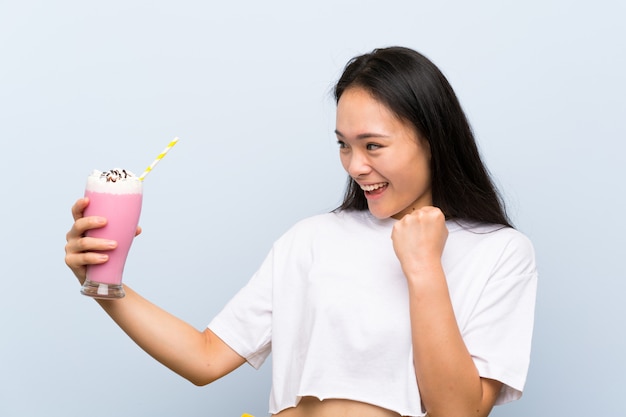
81 225
79 207
138 232
78 261
427 214
89 244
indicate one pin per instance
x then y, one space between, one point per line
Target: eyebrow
363 135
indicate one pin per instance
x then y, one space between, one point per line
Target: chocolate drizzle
115 174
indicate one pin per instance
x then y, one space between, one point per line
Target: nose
357 164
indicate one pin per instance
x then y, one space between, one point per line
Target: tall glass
117 196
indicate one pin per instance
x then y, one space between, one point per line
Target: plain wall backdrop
246 86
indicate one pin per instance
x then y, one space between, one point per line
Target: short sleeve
499 332
245 323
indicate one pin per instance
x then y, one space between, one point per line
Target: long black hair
415 90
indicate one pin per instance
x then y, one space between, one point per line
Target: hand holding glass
115 195
118 199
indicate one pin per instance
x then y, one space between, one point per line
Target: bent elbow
201 380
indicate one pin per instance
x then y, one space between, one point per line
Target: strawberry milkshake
115 195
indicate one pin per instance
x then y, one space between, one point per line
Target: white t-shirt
330 302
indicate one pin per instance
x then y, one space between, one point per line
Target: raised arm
448 379
200 357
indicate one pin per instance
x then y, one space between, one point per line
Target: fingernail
103 257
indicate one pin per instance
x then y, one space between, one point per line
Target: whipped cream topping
114 181
114 175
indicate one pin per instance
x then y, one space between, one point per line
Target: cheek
417 178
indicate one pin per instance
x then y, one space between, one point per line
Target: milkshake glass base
98 290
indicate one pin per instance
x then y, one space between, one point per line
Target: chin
380 214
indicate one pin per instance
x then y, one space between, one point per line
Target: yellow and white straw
158 159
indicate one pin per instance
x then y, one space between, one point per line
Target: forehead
357 104
359 113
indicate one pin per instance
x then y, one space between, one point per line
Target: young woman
415 296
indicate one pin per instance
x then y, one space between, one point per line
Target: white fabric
330 301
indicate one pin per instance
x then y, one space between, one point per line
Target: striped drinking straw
158 159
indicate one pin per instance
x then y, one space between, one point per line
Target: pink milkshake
115 195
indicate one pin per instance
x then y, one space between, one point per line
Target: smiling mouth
374 188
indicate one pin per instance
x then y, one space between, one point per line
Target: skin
376 148
200 357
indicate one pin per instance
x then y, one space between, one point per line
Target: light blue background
245 85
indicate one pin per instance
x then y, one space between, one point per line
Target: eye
373 146
341 144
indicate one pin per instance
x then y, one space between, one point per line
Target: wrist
424 270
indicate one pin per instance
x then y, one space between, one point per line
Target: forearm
171 341
448 379
201 357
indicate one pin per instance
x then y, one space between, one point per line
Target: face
383 154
